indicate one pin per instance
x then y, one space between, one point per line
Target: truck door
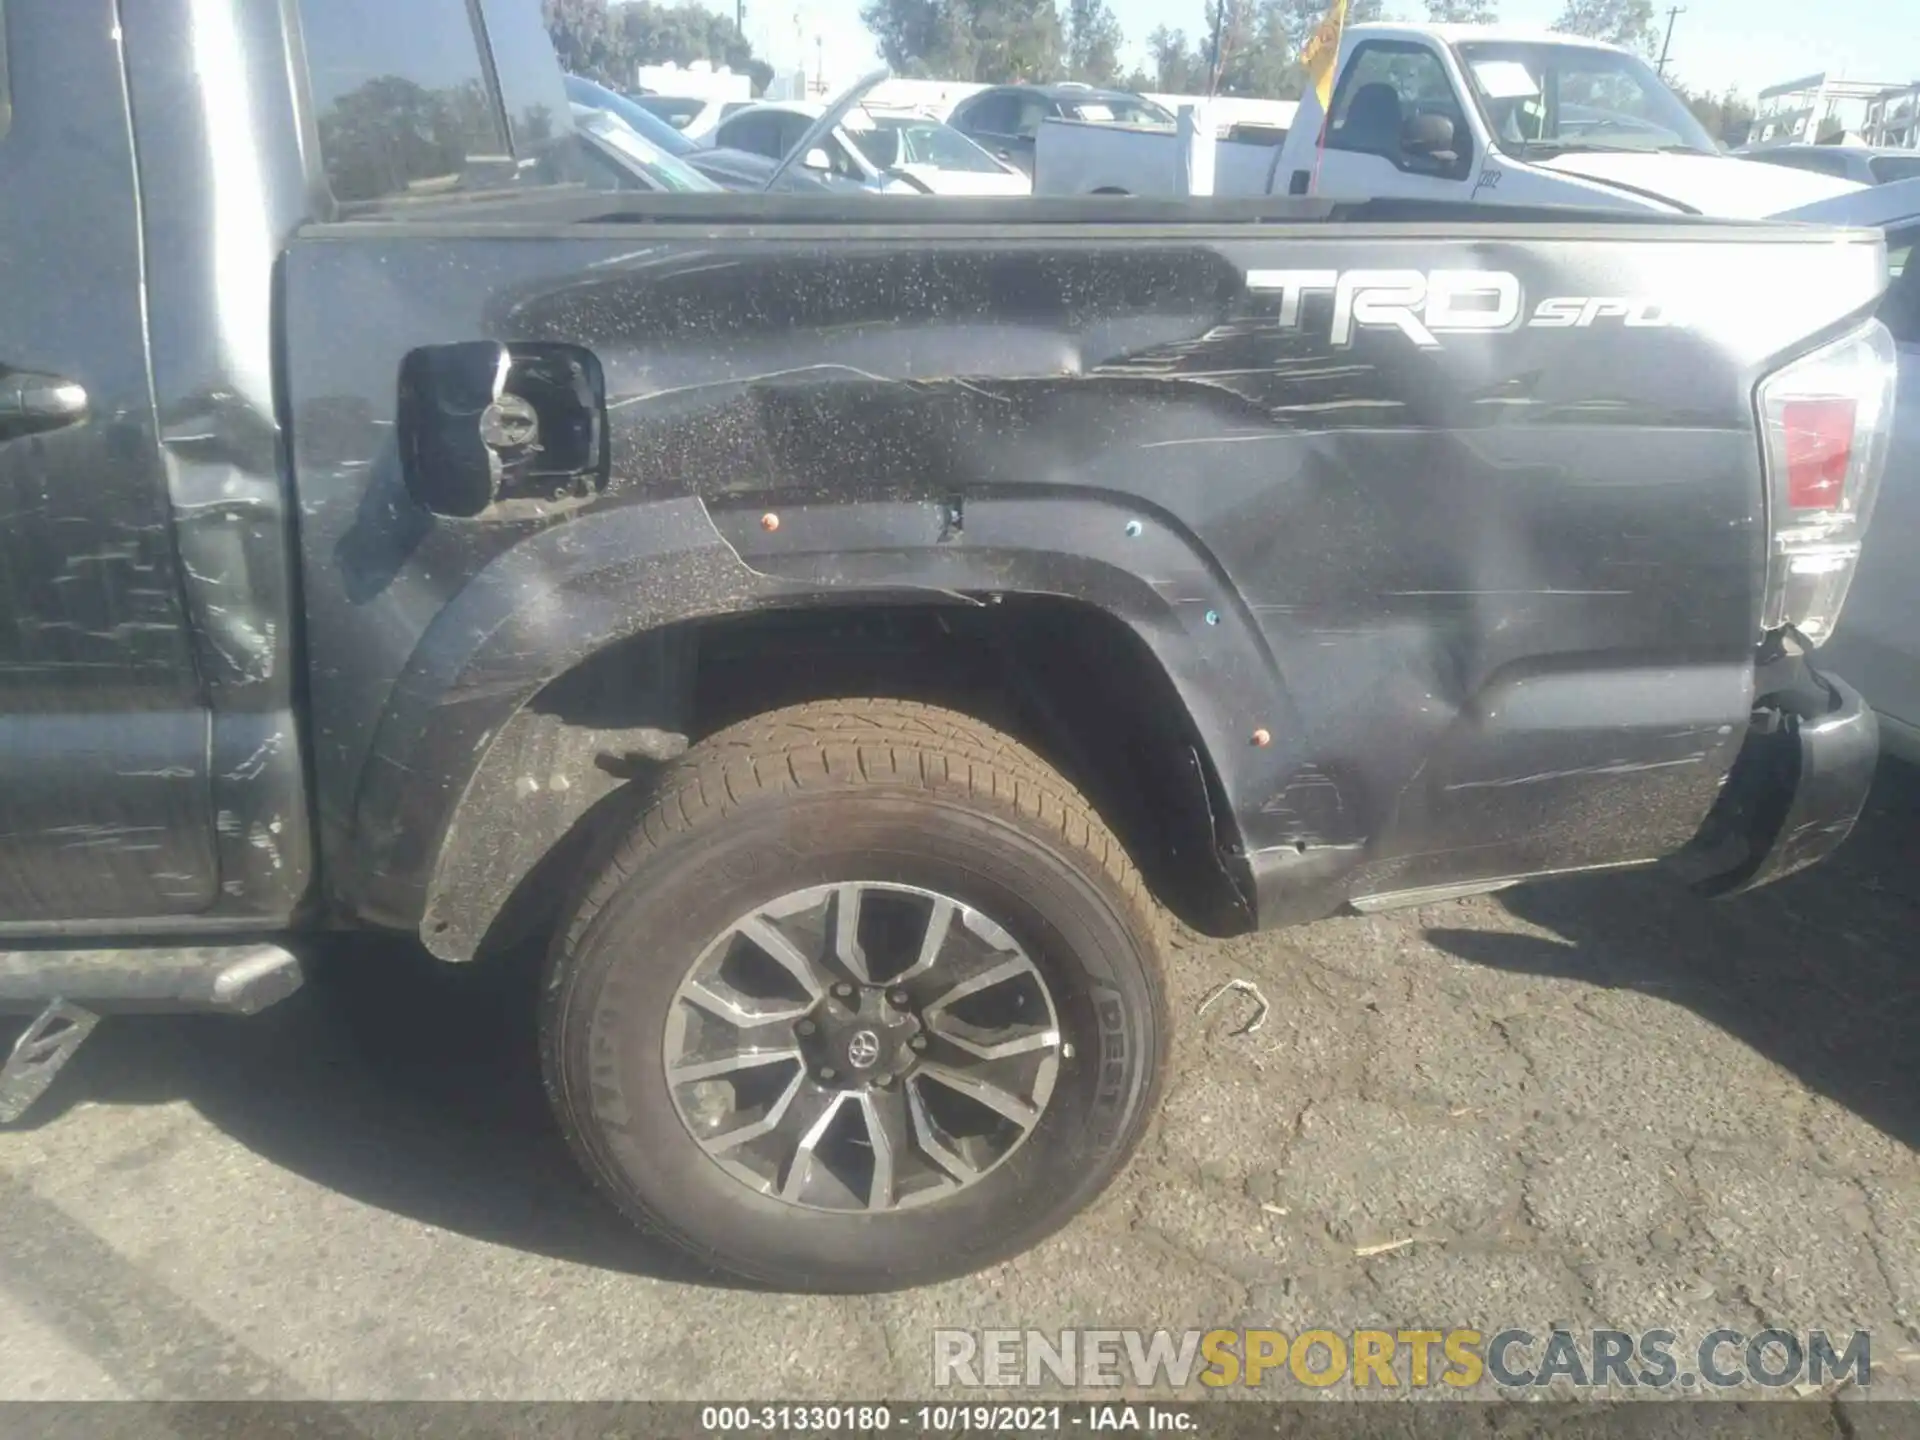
105 810
1390 97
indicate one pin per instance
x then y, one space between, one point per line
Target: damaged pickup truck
849 625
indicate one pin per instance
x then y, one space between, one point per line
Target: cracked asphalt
1592 1103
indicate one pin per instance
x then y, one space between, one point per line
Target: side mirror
817 159
1427 142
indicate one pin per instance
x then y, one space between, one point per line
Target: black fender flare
608 576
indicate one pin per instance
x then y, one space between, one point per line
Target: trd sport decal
1426 305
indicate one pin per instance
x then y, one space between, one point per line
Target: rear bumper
1796 788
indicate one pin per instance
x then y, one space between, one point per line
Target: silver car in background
1877 642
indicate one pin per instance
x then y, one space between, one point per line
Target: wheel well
1073 683
1112 190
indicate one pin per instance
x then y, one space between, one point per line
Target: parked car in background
694 116
1862 164
887 153
1877 643
1006 120
774 129
934 153
732 169
628 160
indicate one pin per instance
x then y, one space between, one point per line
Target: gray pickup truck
848 625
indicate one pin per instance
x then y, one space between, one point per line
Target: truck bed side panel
1492 594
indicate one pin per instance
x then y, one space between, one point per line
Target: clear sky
1745 44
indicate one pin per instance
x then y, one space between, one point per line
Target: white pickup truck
1078 157
1464 112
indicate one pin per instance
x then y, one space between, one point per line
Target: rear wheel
868 998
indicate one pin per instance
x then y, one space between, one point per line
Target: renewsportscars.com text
1457 1359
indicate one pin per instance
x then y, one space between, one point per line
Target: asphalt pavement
1592 1103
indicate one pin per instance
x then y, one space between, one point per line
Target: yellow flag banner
1322 50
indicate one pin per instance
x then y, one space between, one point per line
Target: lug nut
898 999
884 1082
827 1072
918 1042
805 1027
843 991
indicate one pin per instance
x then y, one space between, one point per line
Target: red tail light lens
1819 445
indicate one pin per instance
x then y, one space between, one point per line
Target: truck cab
1494 115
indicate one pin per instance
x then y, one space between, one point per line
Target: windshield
625 146
1116 110
1543 97
1884 168
891 140
645 123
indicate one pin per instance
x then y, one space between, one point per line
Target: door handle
31 403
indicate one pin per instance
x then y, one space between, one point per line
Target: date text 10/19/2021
871 1419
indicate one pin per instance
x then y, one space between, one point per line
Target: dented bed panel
1490 590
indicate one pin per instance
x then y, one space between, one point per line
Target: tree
1463 12
1728 118
1178 68
1260 44
1268 63
990 42
585 39
657 34
606 45
1628 23
389 135
1093 42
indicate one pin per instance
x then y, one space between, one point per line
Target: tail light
1825 420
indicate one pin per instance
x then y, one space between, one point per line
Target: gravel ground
1595 1103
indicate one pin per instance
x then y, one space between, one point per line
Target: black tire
882 791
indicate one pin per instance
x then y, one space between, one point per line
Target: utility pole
1673 13
1213 58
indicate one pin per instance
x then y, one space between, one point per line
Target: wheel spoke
741 1134
889 1131
846 933
977 1040
784 953
933 1142
800 1166
716 997
939 922
1004 968
977 1087
747 1059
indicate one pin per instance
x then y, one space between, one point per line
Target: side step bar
68 990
